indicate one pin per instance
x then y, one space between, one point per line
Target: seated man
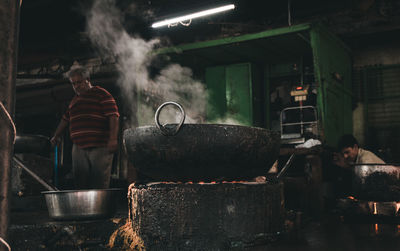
351 153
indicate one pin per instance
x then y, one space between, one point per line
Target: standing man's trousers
91 167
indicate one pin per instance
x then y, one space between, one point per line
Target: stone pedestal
205 216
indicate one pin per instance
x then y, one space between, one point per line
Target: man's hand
339 160
55 141
112 145
59 131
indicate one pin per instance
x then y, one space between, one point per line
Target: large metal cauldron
201 152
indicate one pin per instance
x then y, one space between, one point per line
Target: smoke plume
133 56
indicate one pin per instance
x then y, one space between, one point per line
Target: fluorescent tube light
194 15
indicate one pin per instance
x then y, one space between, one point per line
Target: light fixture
192 16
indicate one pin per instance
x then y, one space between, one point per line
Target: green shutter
239 93
334 94
215 81
230 93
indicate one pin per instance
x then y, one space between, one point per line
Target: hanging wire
181 22
5 243
289 12
10 120
172 25
186 24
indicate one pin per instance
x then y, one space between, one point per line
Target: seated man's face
350 153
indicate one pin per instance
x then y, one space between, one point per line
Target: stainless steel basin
82 204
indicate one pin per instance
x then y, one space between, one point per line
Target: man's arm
367 157
339 161
59 131
114 128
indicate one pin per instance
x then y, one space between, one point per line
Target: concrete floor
335 233
31 228
34 230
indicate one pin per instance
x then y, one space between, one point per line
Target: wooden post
9 22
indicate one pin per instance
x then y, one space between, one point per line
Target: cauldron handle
164 130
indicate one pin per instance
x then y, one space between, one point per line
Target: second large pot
202 152
377 182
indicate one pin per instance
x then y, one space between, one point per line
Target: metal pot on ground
77 204
29 143
82 204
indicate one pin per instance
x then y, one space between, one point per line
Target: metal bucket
82 204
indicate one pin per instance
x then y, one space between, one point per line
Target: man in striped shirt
92 117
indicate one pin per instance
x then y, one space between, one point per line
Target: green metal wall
334 100
230 93
235 93
216 87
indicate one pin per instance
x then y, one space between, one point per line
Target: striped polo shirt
88 116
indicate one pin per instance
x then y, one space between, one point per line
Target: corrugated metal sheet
380 87
383 94
384 113
357 89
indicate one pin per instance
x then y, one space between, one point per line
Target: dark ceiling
55 30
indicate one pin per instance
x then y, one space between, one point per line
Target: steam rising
133 58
